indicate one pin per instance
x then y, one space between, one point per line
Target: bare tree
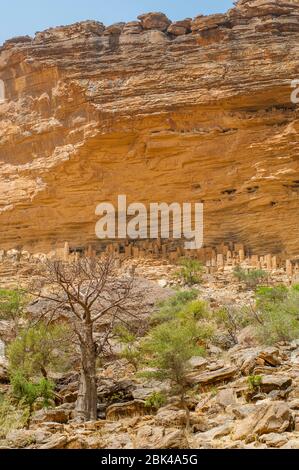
93 296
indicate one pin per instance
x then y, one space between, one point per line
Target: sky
22 17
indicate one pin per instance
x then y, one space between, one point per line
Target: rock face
191 111
267 418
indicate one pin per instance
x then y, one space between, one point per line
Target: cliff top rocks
245 10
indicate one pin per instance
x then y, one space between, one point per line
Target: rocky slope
226 412
197 110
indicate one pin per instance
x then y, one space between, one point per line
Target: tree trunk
87 396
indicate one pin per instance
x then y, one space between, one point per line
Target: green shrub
190 272
27 392
254 381
267 295
40 348
12 305
156 400
196 309
171 308
251 278
279 318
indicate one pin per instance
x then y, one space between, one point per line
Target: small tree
40 348
167 349
190 272
28 392
12 303
90 293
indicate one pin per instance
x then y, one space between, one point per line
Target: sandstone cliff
197 110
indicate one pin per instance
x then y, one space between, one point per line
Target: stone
202 23
226 397
56 442
124 410
274 382
170 417
51 415
291 444
272 417
216 433
157 437
271 356
208 378
157 21
162 283
274 440
115 29
197 362
21 438
179 28
241 411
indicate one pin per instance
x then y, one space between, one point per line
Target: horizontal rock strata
197 110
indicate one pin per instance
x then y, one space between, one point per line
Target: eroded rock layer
197 110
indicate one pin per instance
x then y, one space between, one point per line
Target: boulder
157 437
215 433
242 411
274 440
270 417
170 417
126 410
226 397
54 415
114 29
274 382
271 356
208 378
56 442
203 23
179 28
197 362
133 27
157 21
21 438
291 444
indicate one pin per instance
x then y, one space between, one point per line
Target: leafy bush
170 308
196 310
39 348
190 272
279 318
27 392
12 303
156 400
251 278
267 295
254 381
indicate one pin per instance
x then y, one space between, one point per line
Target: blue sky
21 17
